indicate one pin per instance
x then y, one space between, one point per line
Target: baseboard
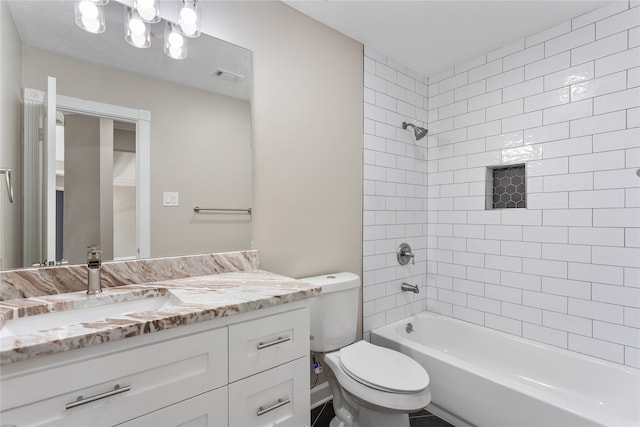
320 394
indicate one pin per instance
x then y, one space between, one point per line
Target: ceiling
431 36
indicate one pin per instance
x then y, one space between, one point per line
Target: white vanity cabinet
269 371
205 410
224 372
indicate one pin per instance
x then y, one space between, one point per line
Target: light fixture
189 18
147 10
137 32
90 15
175 45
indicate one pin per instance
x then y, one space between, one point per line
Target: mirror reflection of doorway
41 173
95 187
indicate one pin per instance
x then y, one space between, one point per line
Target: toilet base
368 418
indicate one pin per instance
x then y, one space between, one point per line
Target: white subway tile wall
395 181
566 270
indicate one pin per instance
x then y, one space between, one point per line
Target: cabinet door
277 397
206 410
263 343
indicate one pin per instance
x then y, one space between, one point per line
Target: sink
101 310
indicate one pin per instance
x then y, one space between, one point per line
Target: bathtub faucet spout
409 288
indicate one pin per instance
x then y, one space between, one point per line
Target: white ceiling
431 36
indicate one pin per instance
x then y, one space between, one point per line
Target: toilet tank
334 313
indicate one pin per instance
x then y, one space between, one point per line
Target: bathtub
488 378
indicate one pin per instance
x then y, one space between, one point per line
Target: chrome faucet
410 288
94 263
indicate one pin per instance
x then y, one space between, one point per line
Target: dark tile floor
322 415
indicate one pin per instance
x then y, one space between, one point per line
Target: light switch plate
170 198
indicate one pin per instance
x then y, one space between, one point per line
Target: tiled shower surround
566 270
395 190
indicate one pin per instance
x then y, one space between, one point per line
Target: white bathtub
488 378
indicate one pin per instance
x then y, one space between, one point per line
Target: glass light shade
147 10
90 16
137 32
175 45
189 18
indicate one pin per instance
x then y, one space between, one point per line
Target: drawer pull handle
279 403
278 340
81 401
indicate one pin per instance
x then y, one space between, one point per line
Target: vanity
226 349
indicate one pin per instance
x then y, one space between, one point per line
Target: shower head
420 132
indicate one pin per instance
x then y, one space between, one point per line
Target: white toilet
372 386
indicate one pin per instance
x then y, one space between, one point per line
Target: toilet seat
383 369
374 397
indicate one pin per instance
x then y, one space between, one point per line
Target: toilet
372 386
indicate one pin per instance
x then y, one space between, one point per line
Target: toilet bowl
378 385
372 386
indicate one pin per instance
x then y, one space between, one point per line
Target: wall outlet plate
170 198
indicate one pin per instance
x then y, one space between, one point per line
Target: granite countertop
193 299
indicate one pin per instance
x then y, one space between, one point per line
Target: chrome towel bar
197 209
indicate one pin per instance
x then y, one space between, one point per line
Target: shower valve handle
405 254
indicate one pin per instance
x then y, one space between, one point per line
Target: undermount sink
101 310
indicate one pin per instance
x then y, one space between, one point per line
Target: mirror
200 118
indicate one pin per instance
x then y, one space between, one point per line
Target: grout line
411 417
324 405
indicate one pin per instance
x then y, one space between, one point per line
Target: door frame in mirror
142 120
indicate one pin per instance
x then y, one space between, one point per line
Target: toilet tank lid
334 282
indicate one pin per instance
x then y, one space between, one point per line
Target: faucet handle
404 254
94 257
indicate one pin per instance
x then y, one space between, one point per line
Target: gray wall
82 203
307 132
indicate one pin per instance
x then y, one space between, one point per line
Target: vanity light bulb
147 10
88 9
137 32
188 29
175 45
148 14
91 24
189 18
136 26
175 51
176 39
138 40
89 16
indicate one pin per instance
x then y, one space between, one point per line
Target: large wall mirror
198 152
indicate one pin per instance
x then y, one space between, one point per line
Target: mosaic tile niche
509 188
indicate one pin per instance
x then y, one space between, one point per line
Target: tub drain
409 328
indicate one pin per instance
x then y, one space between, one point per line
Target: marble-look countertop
192 300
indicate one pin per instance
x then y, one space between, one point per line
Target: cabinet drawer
157 374
277 397
264 343
206 410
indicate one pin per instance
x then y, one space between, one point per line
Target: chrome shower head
420 132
